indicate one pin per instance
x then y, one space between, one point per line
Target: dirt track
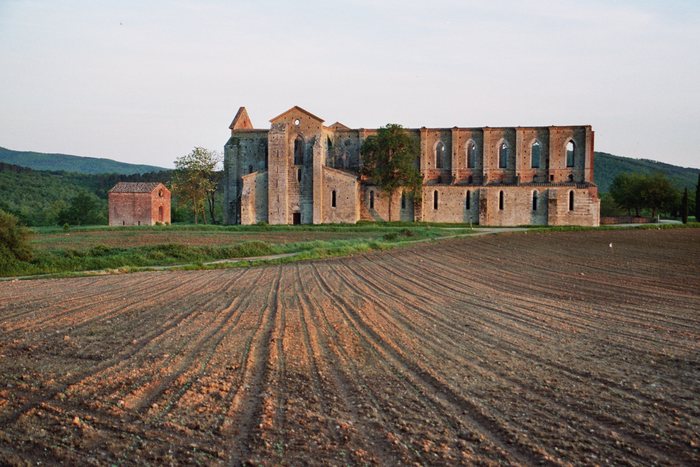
522 348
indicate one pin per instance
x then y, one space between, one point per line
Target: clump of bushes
14 243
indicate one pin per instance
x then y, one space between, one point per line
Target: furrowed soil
554 348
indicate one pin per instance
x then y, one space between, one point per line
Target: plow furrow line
118 359
498 346
502 338
245 407
515 314
496 432
334 357
193 352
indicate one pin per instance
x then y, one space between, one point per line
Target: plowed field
516 348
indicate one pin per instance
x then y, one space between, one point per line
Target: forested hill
608 166
68 163
37 197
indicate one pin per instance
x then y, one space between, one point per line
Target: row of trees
654 192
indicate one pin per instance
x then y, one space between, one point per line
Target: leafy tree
14 242
626 189
657 193
684 206
194 180
83 209
635 191
608 206
389 160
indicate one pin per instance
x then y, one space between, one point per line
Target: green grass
71 258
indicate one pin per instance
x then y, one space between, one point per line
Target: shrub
14 242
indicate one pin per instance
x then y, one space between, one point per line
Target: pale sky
146 81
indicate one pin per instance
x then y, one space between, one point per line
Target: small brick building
136 203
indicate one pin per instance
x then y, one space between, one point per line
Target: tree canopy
14 242
389 160
84 209
194 180
635 191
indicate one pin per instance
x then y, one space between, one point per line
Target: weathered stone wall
245 152
493 138
517 207
380 212
558 139
347 197
434 170
586 206
254 207
160 205
451 204
130 209
461 172
299 191
344 151
278 175
525 138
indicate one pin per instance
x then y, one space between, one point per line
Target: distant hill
76 164
608 166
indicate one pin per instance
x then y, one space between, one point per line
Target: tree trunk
211 200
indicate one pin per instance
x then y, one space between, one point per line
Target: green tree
194 180
684 206
83 209
389 160
14 242
657 193
626 189
635 191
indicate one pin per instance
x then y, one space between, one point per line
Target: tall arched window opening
403 200
439 155
503 152
333 198
435 199
500 200
570 148
535 196
371 199
469 200
299 151
571 201
471 155
536 154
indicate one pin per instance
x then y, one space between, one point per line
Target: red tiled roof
134 187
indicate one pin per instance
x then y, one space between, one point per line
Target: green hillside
37 197
68 163
608 166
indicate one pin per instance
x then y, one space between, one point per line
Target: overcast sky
145 81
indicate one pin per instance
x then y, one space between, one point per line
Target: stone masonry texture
301 171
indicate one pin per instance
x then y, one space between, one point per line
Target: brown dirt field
530 348
133 238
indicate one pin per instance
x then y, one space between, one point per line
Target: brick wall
139 208
347 197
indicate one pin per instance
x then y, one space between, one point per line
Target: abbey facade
300 171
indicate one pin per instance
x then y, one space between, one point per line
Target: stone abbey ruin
302 172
